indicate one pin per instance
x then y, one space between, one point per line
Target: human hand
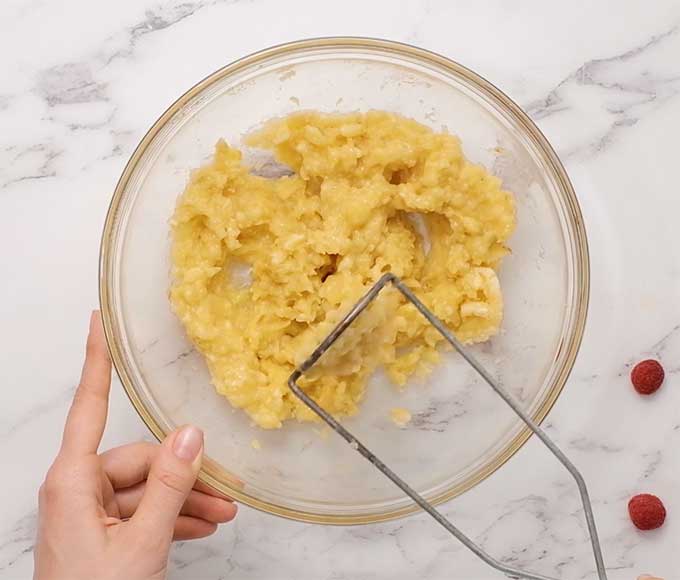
114 515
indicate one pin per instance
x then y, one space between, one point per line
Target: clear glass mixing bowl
460 432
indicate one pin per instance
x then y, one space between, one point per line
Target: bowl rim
580 251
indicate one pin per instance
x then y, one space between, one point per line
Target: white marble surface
83 80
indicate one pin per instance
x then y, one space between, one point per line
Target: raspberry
647 376
646 511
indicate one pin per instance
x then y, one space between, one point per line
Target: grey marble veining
82 81
624 85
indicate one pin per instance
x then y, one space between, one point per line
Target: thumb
171 478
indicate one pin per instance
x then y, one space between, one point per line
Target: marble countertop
84 80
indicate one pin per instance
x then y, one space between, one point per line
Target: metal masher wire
358 308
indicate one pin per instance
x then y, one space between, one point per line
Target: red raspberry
647 376
646 511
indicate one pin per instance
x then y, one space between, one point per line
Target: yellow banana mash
263 268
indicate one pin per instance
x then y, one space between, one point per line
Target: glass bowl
460 431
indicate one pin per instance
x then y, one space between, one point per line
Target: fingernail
188 443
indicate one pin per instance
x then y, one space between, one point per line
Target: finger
188 528
197 505
130 464
171 478
87 417
205 488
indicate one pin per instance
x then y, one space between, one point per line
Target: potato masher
356 310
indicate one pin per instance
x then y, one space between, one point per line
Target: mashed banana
400 416
370 193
